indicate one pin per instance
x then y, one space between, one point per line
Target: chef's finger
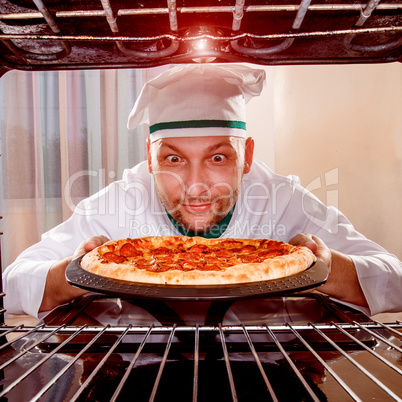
306 240
323 252
315 244
89 244
95 241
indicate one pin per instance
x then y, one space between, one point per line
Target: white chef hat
197 100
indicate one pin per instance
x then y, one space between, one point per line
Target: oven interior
38 34
293 347
296 347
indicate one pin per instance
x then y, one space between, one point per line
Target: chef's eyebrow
172 147
211 148
220 145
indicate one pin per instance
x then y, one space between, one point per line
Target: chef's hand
315 244
342 282
89 244
57 289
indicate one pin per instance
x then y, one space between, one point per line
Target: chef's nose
197 182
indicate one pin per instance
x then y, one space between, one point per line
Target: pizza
181 260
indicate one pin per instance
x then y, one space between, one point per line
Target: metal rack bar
100 365
196 362
33 329
172 9
258 361
199 10
26 350
191 328
65 368
292 365
388 328
365 14
162 365
372 352
238 14
227 362
325 365
112 21
378 336
11 329
42 56
131 365
358 365
42 361
301 13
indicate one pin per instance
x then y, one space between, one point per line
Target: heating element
49 35
351 360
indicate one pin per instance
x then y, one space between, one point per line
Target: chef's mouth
198 207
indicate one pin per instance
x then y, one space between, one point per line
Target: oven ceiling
52 34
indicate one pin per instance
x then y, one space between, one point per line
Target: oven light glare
201 44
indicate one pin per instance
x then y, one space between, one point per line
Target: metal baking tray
314 276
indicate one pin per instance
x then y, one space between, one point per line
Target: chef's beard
220 207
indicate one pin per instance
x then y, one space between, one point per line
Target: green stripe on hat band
170 125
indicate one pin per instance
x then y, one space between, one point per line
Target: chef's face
198 178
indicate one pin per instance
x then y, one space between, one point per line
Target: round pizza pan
314 276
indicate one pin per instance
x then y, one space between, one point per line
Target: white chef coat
269 206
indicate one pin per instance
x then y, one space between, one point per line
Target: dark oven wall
47 35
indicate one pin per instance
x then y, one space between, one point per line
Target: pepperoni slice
223 254
168 267
212 260
128 250
248 249
112 257
199 248
161 251
270 245
269 253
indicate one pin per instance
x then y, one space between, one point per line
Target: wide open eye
174 158
218 158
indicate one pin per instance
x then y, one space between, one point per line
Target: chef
200 178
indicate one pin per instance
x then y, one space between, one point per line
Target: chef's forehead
209 143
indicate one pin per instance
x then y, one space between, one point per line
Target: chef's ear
248 155
149 155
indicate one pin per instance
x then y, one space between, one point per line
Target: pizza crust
297 259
